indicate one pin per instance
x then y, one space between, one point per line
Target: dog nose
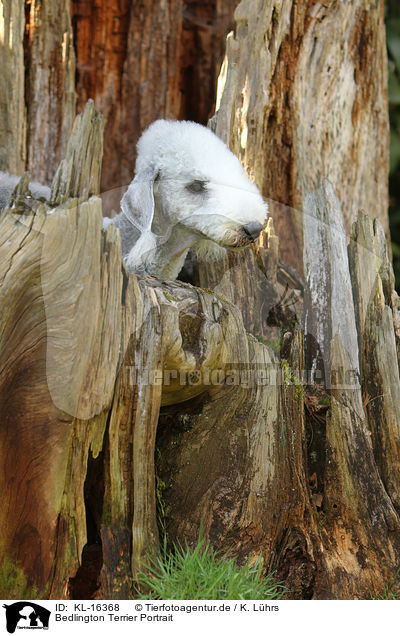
252 230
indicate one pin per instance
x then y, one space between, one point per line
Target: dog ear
138 205
138 201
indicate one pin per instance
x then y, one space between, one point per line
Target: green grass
202 574
392 591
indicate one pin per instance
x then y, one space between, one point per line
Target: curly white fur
189 191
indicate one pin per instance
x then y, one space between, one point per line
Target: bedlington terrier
189 191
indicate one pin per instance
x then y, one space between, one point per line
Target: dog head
186 178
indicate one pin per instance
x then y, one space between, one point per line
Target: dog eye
196 186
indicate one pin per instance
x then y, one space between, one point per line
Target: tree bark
12 106
137 61
91 356
360 519
50 85
145 61
284 389
303 96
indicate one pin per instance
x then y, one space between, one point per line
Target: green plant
392 591
274 344
170 297
162 509
289 378
201 573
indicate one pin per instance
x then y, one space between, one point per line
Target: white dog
189 191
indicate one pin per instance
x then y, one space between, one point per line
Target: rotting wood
12 105
362 530
329 307
101 353
375 302
78 174
61 323
49 85
158 59
86 333
77 456
302 96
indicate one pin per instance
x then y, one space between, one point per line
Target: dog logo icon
26 615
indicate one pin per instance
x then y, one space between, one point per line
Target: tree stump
117 391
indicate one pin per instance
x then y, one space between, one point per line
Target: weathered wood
362 540
328 306
278 62
168 309
93 362
97 374
50 84
86 332
302 95
249 434
62 336
342 539
12 105
140 62
78 174
373 285
361 523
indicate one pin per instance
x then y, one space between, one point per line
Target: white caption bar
177 617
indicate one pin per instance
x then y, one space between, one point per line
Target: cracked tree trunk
158 60
12 107
273 411
137 61
97 362
302 96
37 103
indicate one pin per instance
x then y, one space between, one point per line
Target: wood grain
303 97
